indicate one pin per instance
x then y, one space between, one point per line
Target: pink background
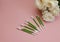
15 12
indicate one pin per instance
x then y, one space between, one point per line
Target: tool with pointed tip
27 31
27 27
31 25
38 27
39 20
34 21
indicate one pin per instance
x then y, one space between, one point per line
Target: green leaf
35 21
39 20
27 31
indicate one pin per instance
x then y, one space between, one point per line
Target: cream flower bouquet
50 9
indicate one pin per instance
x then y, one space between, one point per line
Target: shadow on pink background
15 12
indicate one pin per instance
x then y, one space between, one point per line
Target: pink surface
15 12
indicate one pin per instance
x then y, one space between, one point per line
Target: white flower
52 4
38 4
54 8
47 16
41 4
45 12
55 12
50 9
